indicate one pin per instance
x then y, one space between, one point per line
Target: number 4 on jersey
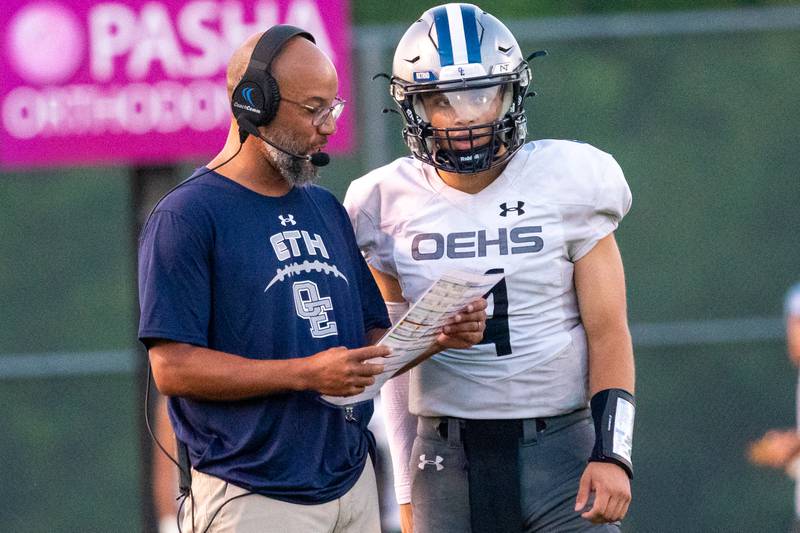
497 327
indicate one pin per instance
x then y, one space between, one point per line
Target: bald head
301 67
237 64
299 60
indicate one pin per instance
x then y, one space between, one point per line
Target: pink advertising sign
138 81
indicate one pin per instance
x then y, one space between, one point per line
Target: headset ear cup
272 98
248 100
256 98
236 96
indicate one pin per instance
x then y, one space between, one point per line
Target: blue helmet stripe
443 36
471 34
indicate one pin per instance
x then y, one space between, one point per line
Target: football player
531 429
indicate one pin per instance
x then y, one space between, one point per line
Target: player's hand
465 328
406 518
342 372
612 493
776 449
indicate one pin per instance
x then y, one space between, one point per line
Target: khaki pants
355 512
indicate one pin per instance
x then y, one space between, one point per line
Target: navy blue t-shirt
223 267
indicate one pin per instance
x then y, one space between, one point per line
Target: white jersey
791 306
791 309
548 208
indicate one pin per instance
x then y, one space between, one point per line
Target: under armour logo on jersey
518 210
423 462
287 220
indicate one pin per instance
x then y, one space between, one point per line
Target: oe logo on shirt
310 306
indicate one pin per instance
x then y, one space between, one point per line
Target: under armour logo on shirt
518 210
287 220
423 462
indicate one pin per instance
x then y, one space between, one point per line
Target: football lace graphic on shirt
293 269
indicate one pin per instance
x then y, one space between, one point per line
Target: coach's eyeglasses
320 114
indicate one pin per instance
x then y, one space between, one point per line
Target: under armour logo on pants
423 462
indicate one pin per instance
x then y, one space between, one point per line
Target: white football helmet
459 78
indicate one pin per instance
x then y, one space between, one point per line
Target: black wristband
613 412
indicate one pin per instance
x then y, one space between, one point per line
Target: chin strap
466 160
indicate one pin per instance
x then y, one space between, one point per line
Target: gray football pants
553 453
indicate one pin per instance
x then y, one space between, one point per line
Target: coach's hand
612 493
342 372
406 518
465 328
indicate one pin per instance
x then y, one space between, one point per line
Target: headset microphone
318 159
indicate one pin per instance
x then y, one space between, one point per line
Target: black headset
257 96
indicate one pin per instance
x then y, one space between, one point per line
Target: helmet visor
448 109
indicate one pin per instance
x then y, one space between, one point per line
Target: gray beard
294 170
